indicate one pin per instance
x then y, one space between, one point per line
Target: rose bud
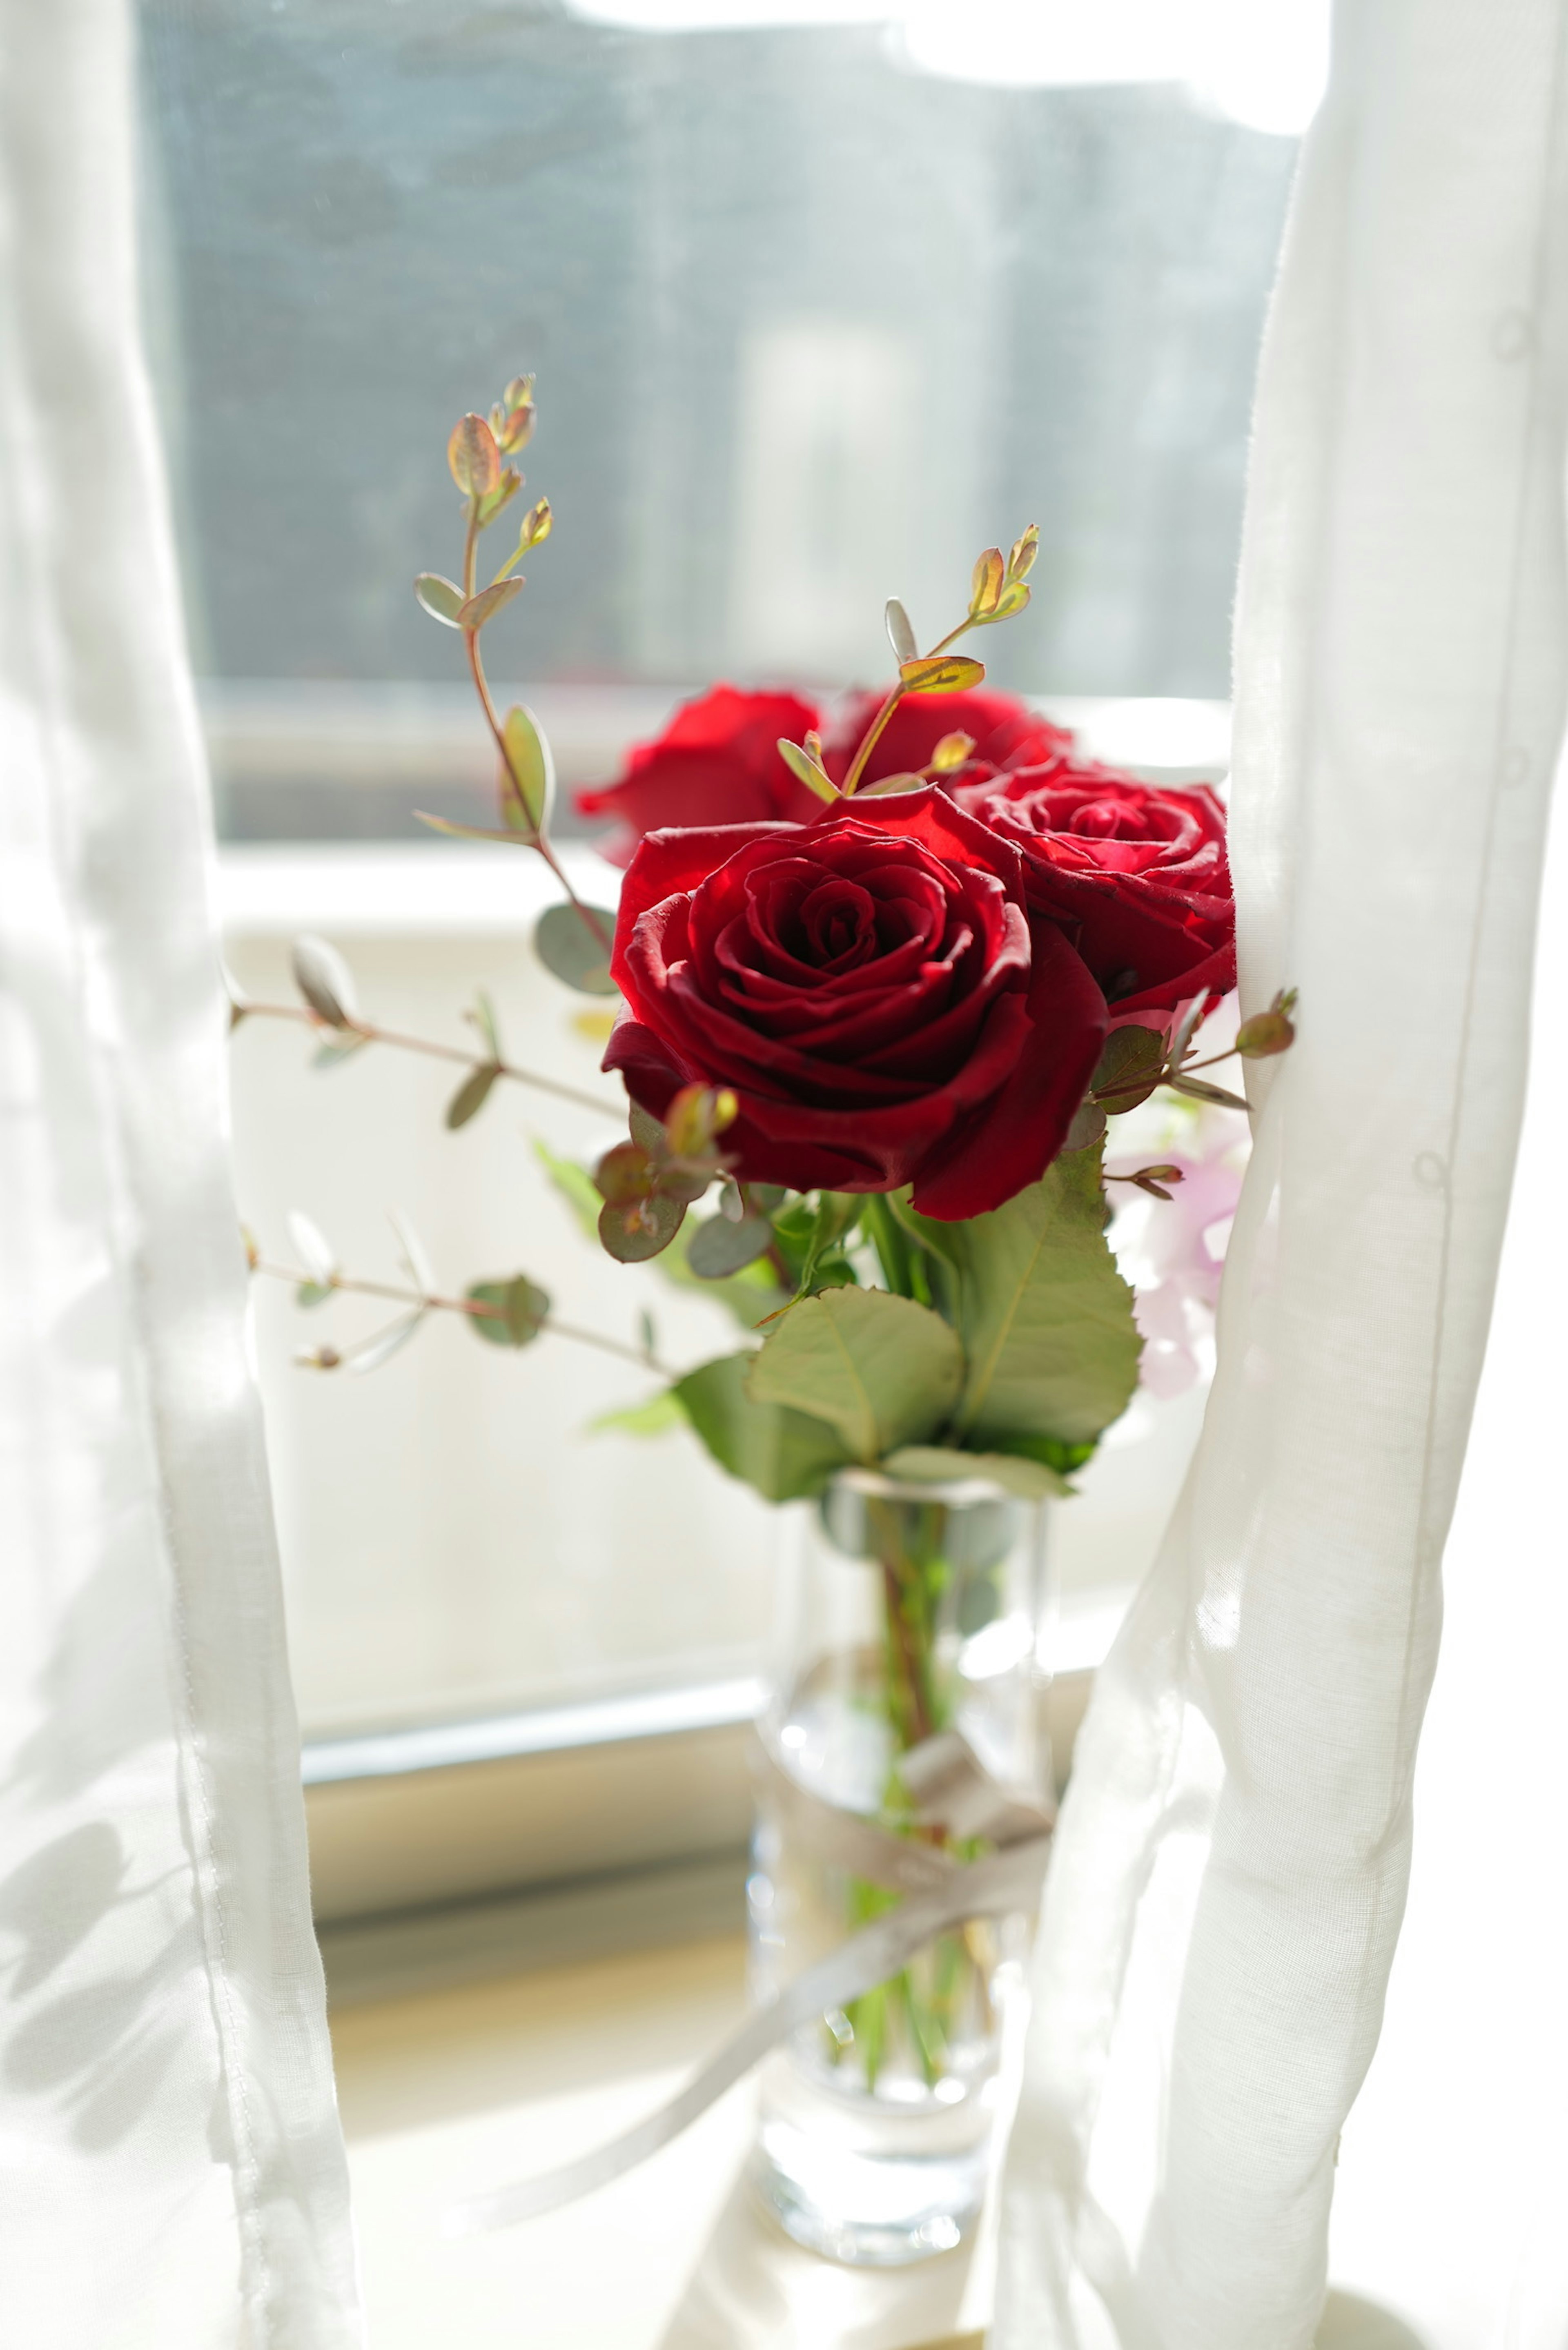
717 761
1136 875
870 992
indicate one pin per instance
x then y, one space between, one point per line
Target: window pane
817 311
812 325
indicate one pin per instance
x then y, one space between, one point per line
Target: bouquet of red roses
885 974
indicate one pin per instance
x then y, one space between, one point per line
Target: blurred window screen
821 300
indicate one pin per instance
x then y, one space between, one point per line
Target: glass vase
905 1610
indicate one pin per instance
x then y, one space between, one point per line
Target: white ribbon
951 1785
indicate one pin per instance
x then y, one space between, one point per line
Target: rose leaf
1045 1317
942 1464
880 1370
785 1454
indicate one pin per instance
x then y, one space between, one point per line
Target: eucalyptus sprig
998 588
512 1311
331 1006
476 455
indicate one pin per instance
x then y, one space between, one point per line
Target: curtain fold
1232 1865
170 2167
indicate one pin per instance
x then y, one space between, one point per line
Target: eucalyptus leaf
524 1307
441 598
568 949
900 633
750 1295
325 980
470 1096
483 1018
719 1248
371 1353
533 771
881 1370
314 1293
1045 1318
641 1230
490 600
785 1454
941 673
312 1247
942 1464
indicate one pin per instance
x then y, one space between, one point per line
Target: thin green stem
474 1309
586 914
243 1008
870 739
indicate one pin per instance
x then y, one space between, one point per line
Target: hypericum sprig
998 588
577 948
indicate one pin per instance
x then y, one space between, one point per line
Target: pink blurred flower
1173 1250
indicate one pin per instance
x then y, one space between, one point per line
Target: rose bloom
717 761
1138 875
870 990
1003 729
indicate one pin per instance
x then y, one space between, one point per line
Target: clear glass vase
905 1610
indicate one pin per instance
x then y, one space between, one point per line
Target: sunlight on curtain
1221 1914
171 2169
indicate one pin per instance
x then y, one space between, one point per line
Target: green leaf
502 495
1045 1318
941 673
942 1464
880 1369
639 1230
750 1295
1053 1453
533 771
524 1307
475 459
325 980
483 1018
807 770
900 633
487 603
1128 1068
576 1185
719 1248
470 1096
313 1292
1011 599
811 1238
568 949
660 1413
785 1454
441 598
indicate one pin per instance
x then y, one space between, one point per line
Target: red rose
717 761
870 991
1138 875
1004 730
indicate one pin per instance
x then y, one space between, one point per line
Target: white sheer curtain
1221 1914
170 2169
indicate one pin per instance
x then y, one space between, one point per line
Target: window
818 308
